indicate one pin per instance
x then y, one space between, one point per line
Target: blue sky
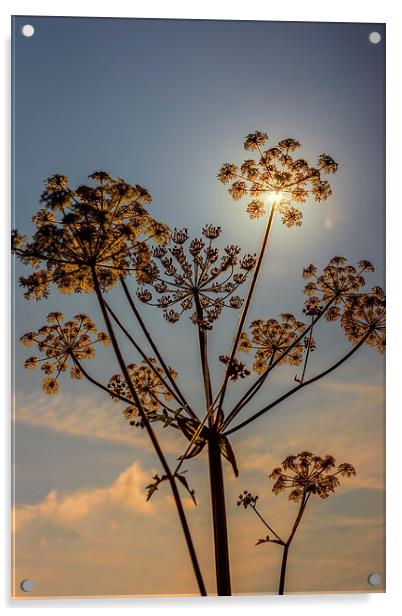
164 103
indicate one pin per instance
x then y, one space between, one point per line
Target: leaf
195 450
152 487
189 428
183 480
227 452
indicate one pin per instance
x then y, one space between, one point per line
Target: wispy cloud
86 416
349 426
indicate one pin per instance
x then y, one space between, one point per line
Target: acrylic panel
199 307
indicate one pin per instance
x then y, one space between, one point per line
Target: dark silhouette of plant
104 237
60 342
303 475
198 279
101 236
104 227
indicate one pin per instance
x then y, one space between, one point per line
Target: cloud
104 541
109 541
348 425
86 416
127 491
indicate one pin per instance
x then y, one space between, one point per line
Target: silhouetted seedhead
247 500
275 172
361 313
150 390
195 275
103 226
306 473
272 339
365 315
59 341
236 369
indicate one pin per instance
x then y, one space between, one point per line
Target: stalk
221 545
248 301
289 541
152 343
151 435
283 570
298 387
222 563
147 361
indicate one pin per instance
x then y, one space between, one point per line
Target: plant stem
251 392
289 541
297 388
253 507
248 301
152 343
307 354
147 361
283 570
222 564
151 435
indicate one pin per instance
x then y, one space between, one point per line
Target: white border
388 11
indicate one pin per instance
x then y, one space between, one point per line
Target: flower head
59 342
341 287
246 499
364 317
150 389
195 275
337 282
275 172
273 338
236 369
306 473
103 226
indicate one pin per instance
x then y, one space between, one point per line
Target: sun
275 196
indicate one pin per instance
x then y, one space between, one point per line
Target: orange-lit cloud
105 541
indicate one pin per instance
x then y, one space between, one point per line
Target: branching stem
247 303
151 434
298 387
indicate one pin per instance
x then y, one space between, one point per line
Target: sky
164 103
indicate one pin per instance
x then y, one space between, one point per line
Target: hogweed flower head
276 173
58 341
306 473
196 275
364 317
104 226
273 338
236 369
150 389
361 313
246 499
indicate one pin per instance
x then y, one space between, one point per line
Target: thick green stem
151 435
